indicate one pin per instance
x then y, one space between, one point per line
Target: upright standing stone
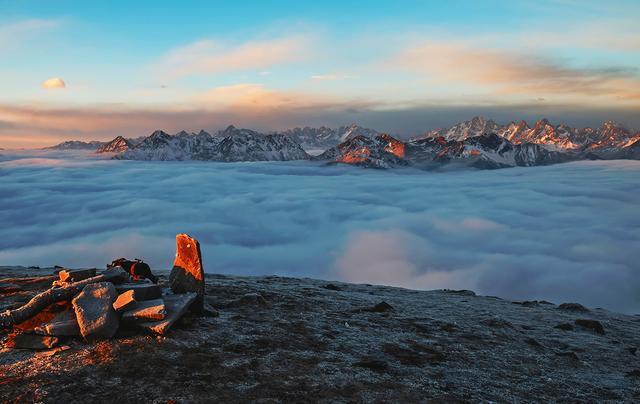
94 311
187 274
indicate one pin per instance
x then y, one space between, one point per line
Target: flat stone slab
187 274
148 310
125 301
93 307
64 324
175 306
141 290
67 275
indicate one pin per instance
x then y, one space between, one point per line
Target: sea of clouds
567 232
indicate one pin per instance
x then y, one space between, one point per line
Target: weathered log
29 280
40 301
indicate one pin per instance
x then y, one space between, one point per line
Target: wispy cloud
13 34
331 77
209 56
510 72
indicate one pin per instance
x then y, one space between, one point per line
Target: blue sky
401 66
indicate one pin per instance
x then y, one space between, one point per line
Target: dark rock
564 327
125 301
64 324
187 274
573 307
31 341
250 299
149 310
377 365
141 290
331 286
632 350
568 354
633 373
116 275
175 306
497 323
528 303
533 342
75 275
380 307
593 325
404 355
462 292
94 311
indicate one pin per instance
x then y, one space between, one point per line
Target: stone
573 307
94 310
64 324
75 275
375 364
250 299
116 275
175 307
125 301
381 307
149 310
564 327
187 274
31 341
331 286
592 325
141 290
569 354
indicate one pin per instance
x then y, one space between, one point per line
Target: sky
563 233
95 70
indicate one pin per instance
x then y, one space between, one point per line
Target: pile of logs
94 304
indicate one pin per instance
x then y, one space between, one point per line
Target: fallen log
53 295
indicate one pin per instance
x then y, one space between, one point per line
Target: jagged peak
158 132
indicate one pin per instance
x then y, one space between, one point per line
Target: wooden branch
40 301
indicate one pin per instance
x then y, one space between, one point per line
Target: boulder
150 310
141 290
75 275
187 275
116 275
175 306
94 310
64 324
125 301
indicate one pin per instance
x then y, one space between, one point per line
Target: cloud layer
562 233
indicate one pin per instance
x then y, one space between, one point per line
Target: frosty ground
312 340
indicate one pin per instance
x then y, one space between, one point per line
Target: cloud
521 233
53 83
13 34
331 77
213 57
509 72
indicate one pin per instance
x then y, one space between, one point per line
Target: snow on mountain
382 151
77 145
554 137
117 145
326 138
231 144
481 151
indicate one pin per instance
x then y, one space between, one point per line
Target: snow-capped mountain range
479 142
231 144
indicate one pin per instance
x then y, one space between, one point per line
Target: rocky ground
289 340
